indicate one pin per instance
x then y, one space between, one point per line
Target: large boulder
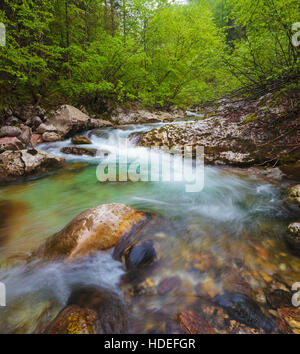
93 230
27 162
68 120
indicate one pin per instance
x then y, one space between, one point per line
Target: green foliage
152 51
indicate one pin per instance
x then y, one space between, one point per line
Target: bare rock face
293 195
123 116
95 229
68 120
27 162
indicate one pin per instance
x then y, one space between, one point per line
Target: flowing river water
228 237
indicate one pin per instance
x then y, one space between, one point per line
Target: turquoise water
236 218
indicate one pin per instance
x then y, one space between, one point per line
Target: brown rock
10 144
81 140
292 317
293 195
95 229
51 136
36 139
74 320
195 324
72 150
168 284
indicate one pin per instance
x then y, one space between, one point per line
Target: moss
251 118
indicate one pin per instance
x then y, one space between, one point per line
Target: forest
156 52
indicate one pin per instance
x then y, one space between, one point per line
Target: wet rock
140 255
72 150
95 229
8 131
293 237
292 170
80 140
74 320
279 298
293 195
292 316
194 323
169 284
51 136
68 120
243 309
111 310
27 162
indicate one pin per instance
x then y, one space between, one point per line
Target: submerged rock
91 310
279 298
81 140
95 229
243 309
195 324
293 237
292 316
27 162
11 214
72 150
168 284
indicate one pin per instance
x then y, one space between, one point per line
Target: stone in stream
243 309
279 298
11 215
80 140
168 284
194 323
26 162
291 316
74 320
93 230
293 195
140 255
72 150
8 131
293 237
91 310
